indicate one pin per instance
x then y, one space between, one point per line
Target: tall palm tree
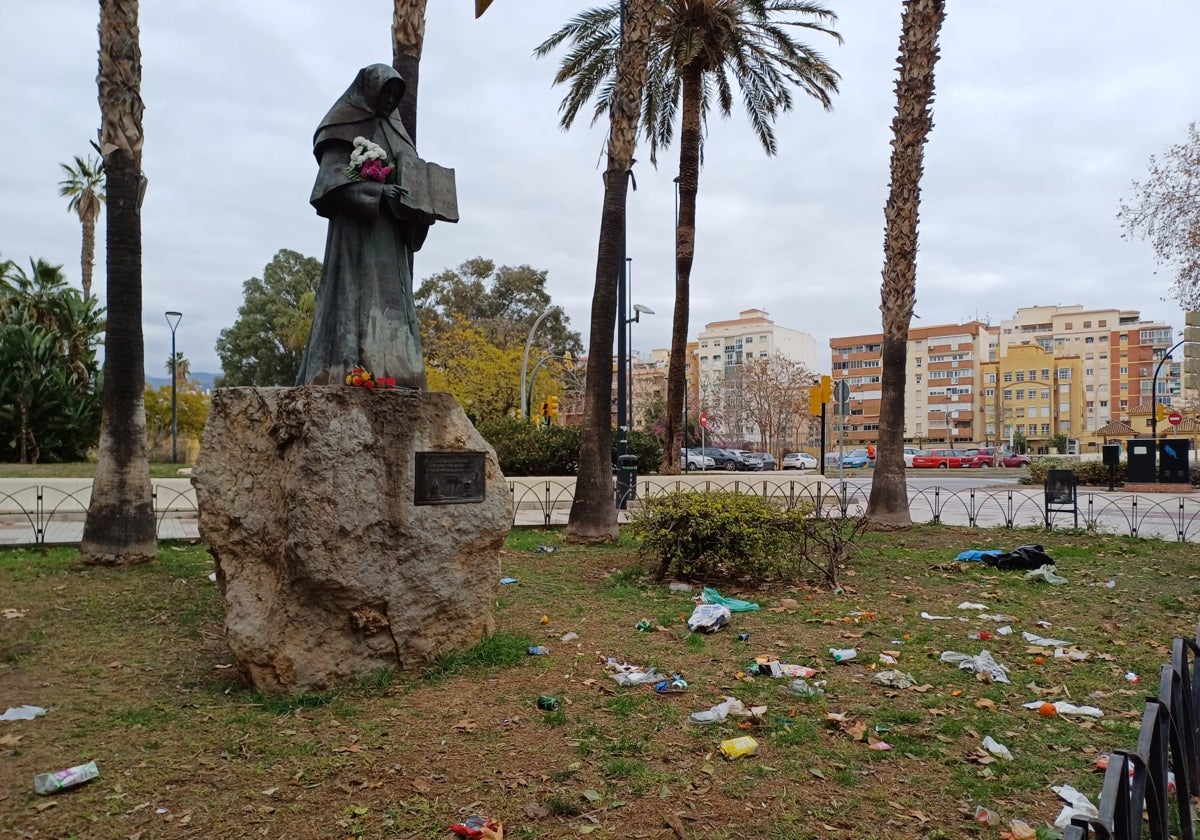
408 40
180 369
921 22
593 511
119 528
699 49
84 186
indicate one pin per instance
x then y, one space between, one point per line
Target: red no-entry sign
1174 418
704 419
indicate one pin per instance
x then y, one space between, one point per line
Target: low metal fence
548 502
1149 790
53 515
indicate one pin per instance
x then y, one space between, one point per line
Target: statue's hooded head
374 95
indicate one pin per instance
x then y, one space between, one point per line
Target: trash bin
1111 453
626 479
1141 461
1173 467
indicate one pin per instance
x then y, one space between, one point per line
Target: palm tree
84 185
699 50
408 39
593 511
119 528
180 369
921 23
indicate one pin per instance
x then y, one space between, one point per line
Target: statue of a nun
380 200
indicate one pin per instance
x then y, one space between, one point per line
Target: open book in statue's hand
429 189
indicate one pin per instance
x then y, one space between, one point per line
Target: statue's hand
393 197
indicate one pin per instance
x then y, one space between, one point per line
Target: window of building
1033 376
1008 376
749 339
990 379
1124 368
1045 373
1087 325
1021 413
1088 388
1089 340
989 392
1045 428
1104 339
1070 325
1102 324
1020 376
918 361
1045 393
1104 403
1124 386
1064 373
1020 393
1124 403
1089 372
1008 393
918 379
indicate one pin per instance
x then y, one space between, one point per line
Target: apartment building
942 397
1032 393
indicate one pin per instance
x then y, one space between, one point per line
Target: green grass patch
500 650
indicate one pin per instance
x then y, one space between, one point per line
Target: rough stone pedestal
328 569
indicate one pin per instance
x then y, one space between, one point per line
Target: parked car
941 459
799 461
696 460
753 460
909 453
769 462
832 458
726 459
855 458
986 456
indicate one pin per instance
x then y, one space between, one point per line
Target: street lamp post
178 316
1154 391
525 360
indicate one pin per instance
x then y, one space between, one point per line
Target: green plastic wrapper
712 596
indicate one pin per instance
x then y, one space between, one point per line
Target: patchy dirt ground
131 666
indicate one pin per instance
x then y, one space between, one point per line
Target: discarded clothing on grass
712 596
1048 573
981 663
975 555
1022 557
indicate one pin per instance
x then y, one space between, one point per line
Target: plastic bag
981 663
708 618
712 596
996 748
1048 573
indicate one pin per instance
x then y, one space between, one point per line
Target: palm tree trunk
408 40
593 511
920 26
685 251
87 257
119 528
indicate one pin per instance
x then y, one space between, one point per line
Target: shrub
1089 473
525 448
720 534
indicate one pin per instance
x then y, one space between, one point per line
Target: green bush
1087 473
526 448
720 534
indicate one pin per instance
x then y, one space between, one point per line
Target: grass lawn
132 667
82 469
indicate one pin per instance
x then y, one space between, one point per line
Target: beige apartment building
1047 371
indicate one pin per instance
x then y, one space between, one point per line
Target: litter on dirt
626 674
981 663
729 706
929 617
1077 805
23 713
996 748
712 596
1062 707
708 618
1048 573
894 679
1035 639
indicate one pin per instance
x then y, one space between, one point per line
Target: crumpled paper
996 748
1035 639
981 663
730 706
1077 805
1065 708
894 679
626 674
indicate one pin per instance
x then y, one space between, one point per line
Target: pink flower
374 170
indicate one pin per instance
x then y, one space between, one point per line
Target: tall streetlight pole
178 316
525 359
1154 390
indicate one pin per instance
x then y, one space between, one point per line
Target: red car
941 459
985 456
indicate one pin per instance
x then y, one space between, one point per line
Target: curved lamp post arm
1154 390
525 359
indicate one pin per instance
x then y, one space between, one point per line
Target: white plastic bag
981 663
708 618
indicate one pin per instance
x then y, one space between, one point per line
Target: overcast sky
1046 110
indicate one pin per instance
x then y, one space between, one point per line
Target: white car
909 452
696 461
799 461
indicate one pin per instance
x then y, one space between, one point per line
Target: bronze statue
380 199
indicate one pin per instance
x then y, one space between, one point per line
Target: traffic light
1160 412
826 389
552 405
814 401
546 412
1191 352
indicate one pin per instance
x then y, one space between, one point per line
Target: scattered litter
23 713
729 706
708 618
1048 573
738 747
569 637
971 605
1110 584
790 670
1021 830
998 617
929 617
538 650
743 637
876 744
10 613
981 663
894 679
547 703
1043 624
643 625
887 659
479 826
1062 707
842 654
1073 654
676 586
675 685
1004 631
213 577
1077 805
789 603
1131 676
986 816
1035 639
712 596
996 748
975 555
803 688
46 783
547 549
1021 557
505 581
982 636
626 674
545 619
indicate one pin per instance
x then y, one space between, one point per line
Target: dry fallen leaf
985 703
465 725
10 740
